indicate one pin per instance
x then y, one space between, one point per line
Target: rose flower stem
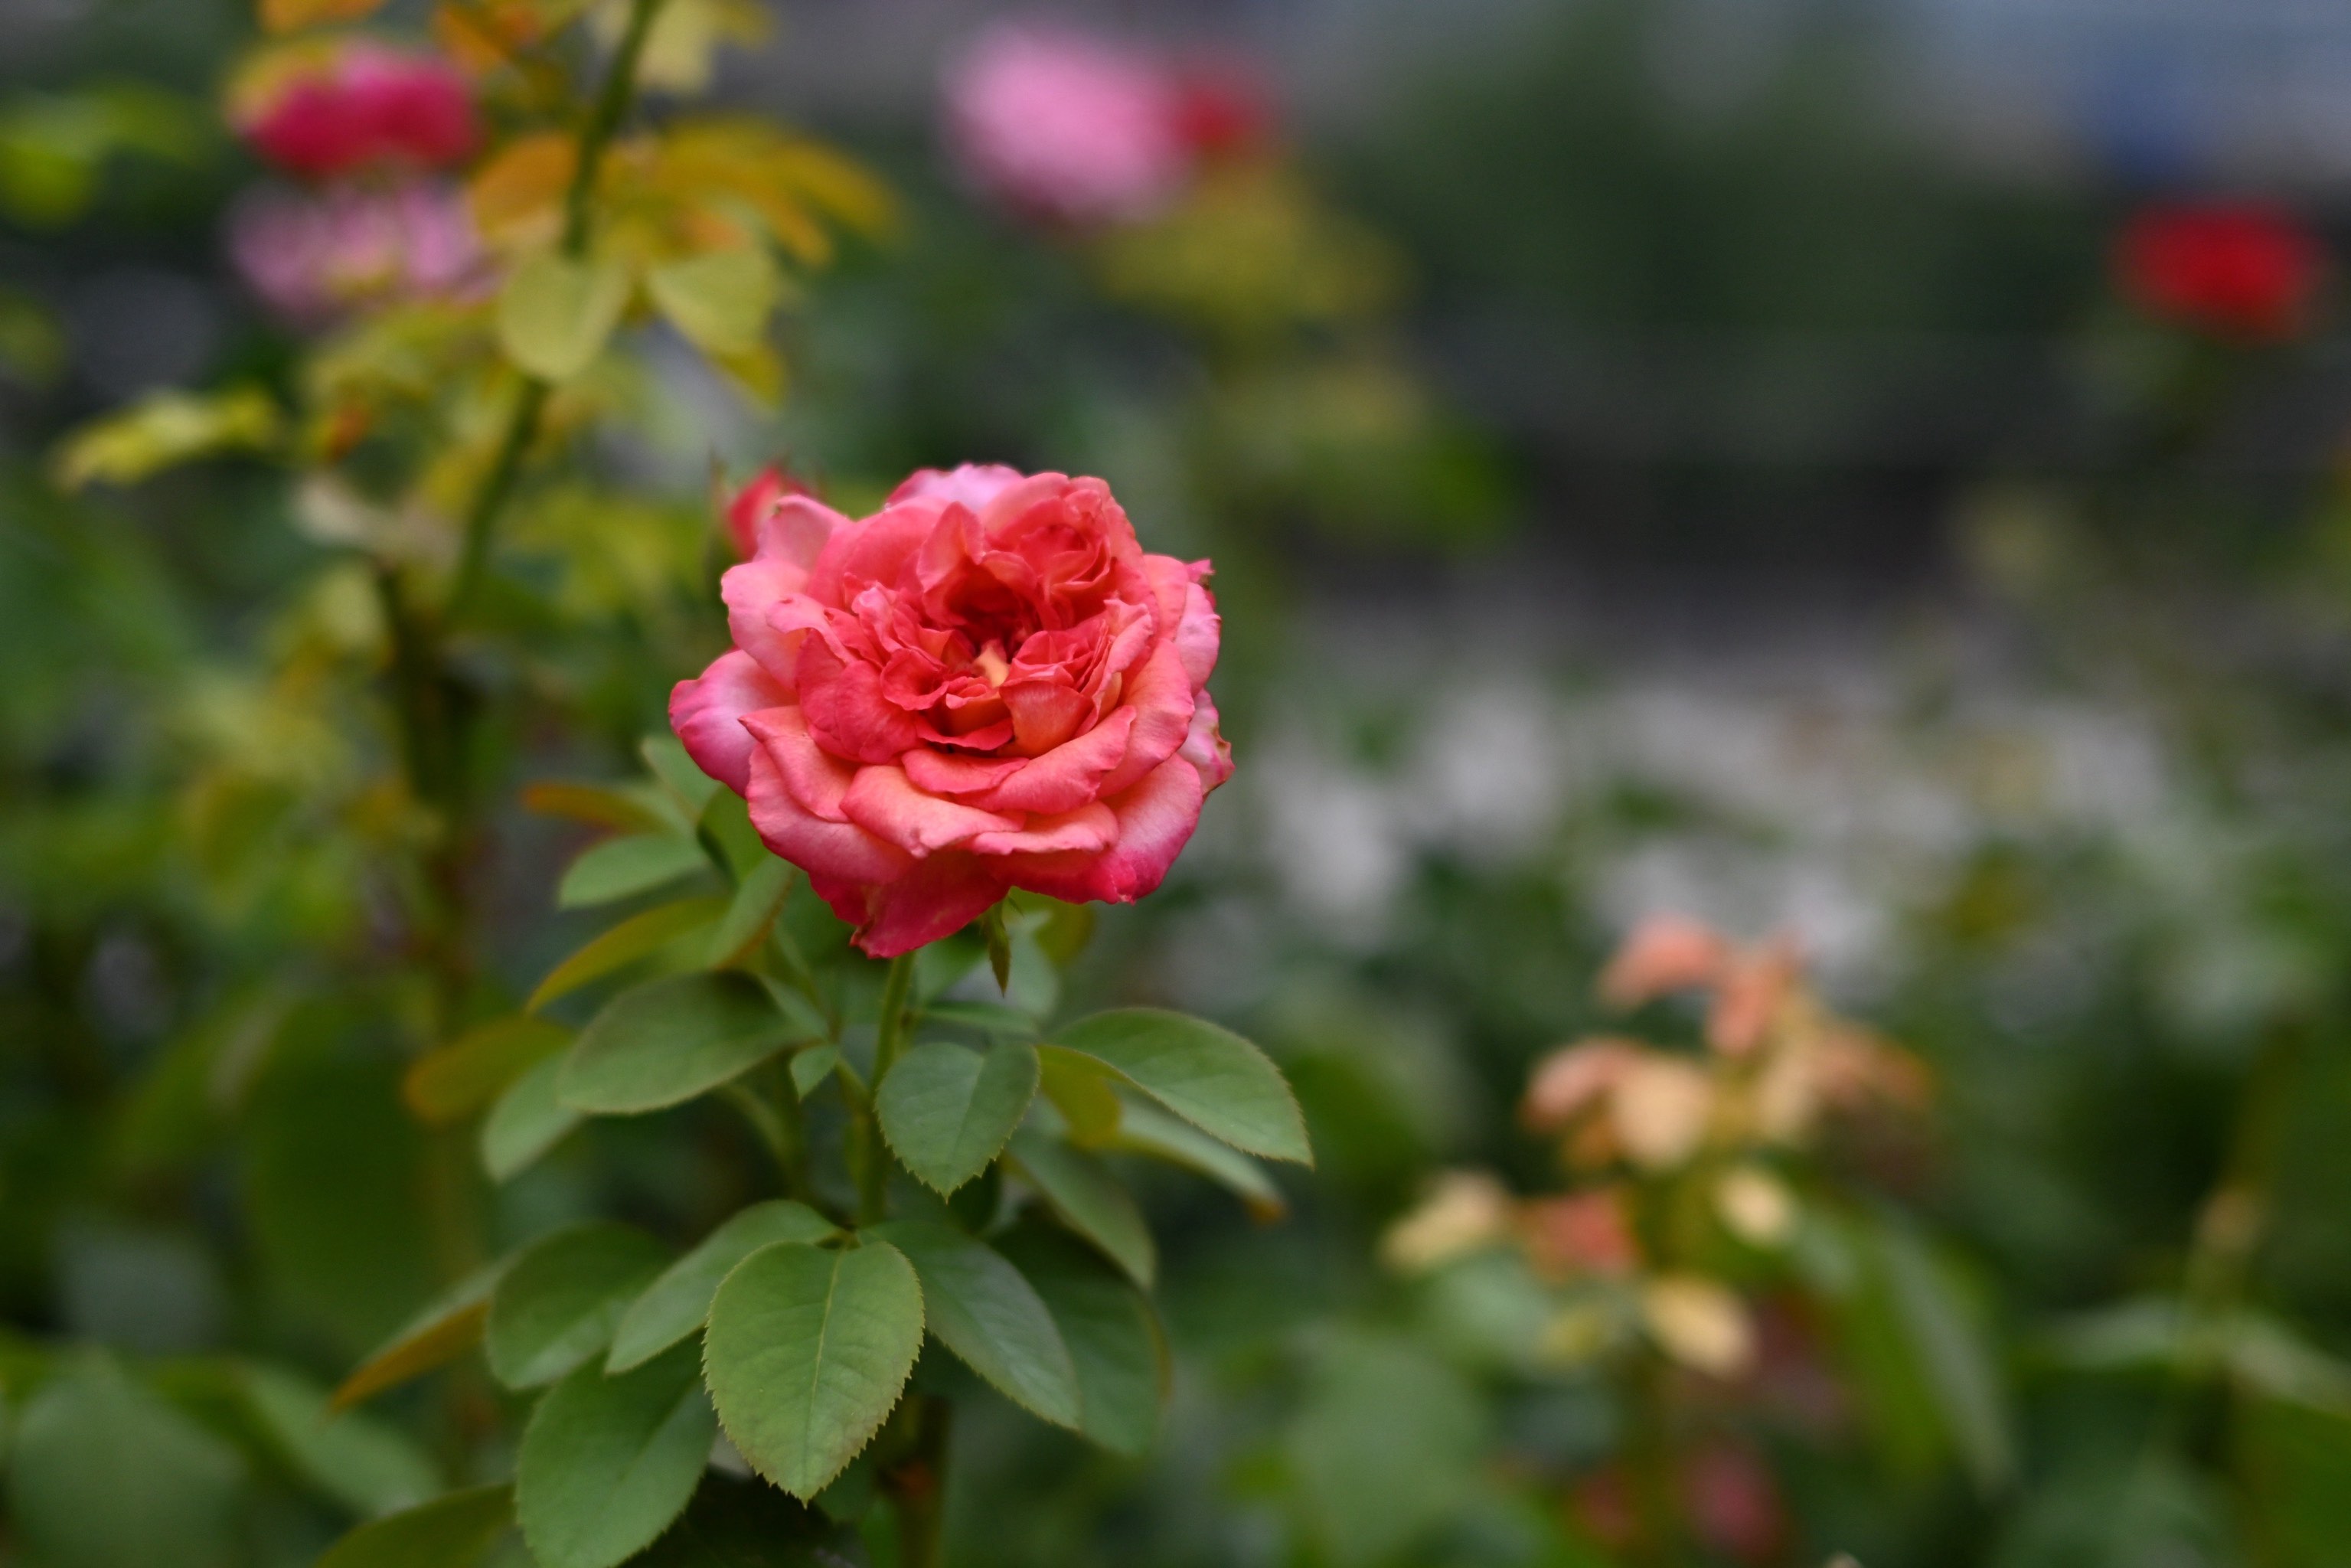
873 1170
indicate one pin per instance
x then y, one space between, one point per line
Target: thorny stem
874 1168
917 1487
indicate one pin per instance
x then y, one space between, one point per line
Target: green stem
612 106
917 1487
1649 1464
873 1160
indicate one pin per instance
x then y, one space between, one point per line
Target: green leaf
678 1303
1148 1130
811 1067
753 911
452 1082
556 1306
1956 1364
626 866
1084 1090
370 1467
637 807
555 313
103 1474
720 301
948 1109
164 428
444 1329
665 1042
992 1019
1112 1334
807 1352
638 937
607 1462
526 1121
679 773
980 1307
1088 1199
456 1530
1209 1076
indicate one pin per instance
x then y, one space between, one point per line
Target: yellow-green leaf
632 940
167 428
555 312
720 301
452 1081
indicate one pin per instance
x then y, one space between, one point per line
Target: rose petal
884 802
846 710
1160 694
817 779
874 551
949 773
1070 775
708 713
1155 820
751 590
938 898
841 850
1045 714
1203 747
974 484
1198 634
795 531
1090 827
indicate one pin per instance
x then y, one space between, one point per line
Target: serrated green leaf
992 1019
811 1067
455 1531
807 1352
1087 1198
452 1082
639 936
557 1304
445 1329
370 1467
526 1121
626 866
555 313
1209 1076
1148 1130
1083 1090
678 1303
665 1042
607 1462
751 913
719 300
103 1474
1114 1338
946 1110
981 1308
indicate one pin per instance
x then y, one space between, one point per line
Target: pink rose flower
1067 127
313 257
755 503
986 684
364 106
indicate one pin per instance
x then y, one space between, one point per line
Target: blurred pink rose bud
1568 1081
986 684
358 106
756 503
311 256
1586 1233
1755 986
1222 107
1666 952
1066 128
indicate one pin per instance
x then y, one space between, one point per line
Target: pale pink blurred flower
1569 1080
1754 986
1067 127
313 257
1583 1233
1666 952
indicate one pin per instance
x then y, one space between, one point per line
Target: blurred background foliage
1659 457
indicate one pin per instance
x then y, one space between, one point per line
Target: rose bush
985 684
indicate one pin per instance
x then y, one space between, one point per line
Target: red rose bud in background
986 684
2240 270
756 503
320 114
1221 108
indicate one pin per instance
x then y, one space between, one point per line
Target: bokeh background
1699 456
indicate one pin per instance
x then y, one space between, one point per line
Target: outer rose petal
797 530
874 550
882 800
1090 827
817 779
1155 820
1198 634
938 897
842 851
952 773
1203 747
752 589
708 713
1160 695
974 484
